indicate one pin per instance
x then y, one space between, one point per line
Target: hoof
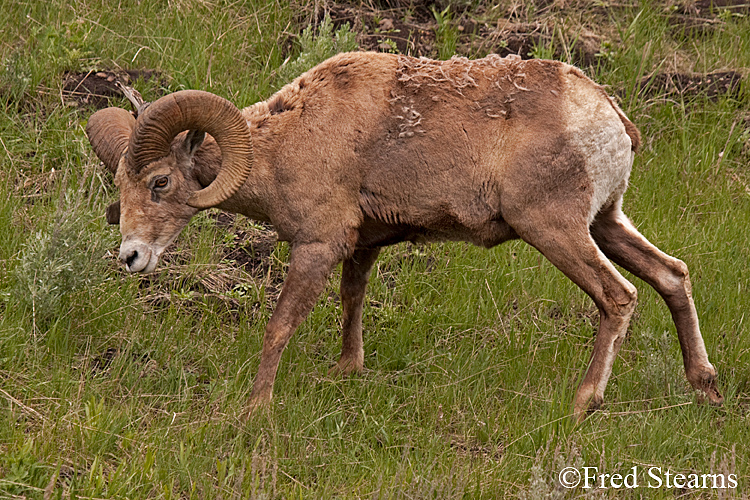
255 405
345 367
705 386
581 411
709 393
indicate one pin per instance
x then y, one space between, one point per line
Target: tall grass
114 386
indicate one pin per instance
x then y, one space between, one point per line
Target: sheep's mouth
139 257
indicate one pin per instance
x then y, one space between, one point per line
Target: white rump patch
597 132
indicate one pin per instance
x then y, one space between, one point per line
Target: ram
368 150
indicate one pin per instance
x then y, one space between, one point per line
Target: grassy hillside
116 386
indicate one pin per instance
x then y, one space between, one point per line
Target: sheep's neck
207 162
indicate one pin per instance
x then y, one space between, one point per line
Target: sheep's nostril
131 258
136 256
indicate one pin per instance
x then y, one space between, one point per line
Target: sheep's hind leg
354 277
621 241
567 244
309 268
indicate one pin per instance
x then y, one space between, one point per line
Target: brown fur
367 150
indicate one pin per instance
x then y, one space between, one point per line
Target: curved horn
109 131
195 110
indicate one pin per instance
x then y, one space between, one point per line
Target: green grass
114 386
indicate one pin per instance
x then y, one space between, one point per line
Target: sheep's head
159 189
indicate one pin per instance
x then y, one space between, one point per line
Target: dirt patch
703 17
252 251
693 25
414 32
390 30
676 85
94 89
524 39
528 29
505 38
252 247
712 5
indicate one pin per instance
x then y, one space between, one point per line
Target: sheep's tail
630 128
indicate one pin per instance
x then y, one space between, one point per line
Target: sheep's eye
161 183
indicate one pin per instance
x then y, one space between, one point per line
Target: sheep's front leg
576 255
309 268
564 239
354 278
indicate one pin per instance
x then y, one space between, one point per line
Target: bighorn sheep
367 150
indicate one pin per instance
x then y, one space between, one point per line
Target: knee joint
631 299
623 301
274 340
677 283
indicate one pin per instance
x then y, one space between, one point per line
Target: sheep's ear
113 213
193 141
